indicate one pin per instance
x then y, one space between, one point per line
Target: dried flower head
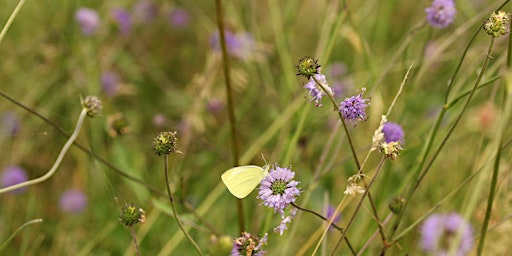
353 109
318 87
307 67
497 24
353 188
391 150
93 105
165 143
118 125
397 204
249 245
439 232
278 189
441 13
131 214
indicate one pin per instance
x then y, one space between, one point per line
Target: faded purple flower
73 201
13 175
393 132
145 11
10 125
249 245
110 83
315 92
232 42
278 189
88 20
159 120
215 106
337 70
179 18
439 231
353 109
330 212
123 20
441 13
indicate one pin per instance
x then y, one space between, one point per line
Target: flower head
88 20
179 18
10 125
123 20
497 24
353 109
397 204
307 67
165 143
278 189
118 125
441 13
393 132
131 214
13 175
73 201
249 245
316 93
330 213
110 83
439 232
93 105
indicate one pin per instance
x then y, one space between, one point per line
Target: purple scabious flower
315 92
110 83
13 175
249 245
278 189
123 20
441 13
353 109
10 124
145 11
179 18
439 231
393 132
88 20
73 201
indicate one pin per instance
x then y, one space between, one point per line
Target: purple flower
353 109
123 19
73 201
441 13
330 212
88 20
215 106
10 124
110 83
315 92
393 132
179 18
249 245
278 189
145 11
159 120
13 175
439 232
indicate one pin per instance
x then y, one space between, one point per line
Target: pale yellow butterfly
242 180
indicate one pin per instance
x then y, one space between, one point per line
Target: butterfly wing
242 180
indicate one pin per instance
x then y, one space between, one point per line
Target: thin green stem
134 238
231 107
57 162
26 224
173 205
11 19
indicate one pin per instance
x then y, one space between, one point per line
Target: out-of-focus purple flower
73 201
145 11
179 18
159 120
330 212
88 20
393 132
249 245
123 20
13 175
439 231
441 13
278 189
110 83
353 109
215 106
10 124
337 70
232 42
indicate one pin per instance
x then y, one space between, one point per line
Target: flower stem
6 242
134 237
168 186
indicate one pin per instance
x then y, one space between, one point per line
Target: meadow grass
237 97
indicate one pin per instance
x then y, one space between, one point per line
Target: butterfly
242 180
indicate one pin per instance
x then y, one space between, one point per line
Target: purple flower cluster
278 189
314 91
88 20
441 13
353 109
439 232
13 175
73 201
393 132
